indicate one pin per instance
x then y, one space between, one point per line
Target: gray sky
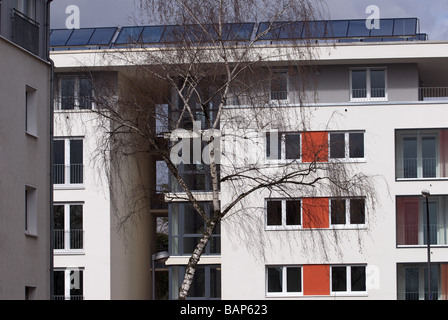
433 14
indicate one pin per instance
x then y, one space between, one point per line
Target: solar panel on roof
386 28
240 31
337 29
152 34
405 27
59 37
80 37
129 35
102 36
357 28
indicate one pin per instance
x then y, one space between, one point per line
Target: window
187 228
31 111
348 279
368 84
284 280
283 213
30 293
412 220
75 93
30 210
279 85
68 168
345 212
68 227
282 146
206 283
421 154
346 145
413 281
27 7
68 284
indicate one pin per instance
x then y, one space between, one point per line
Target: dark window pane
356 145
193 222
338 211
275 279
292 146
294 280
358 278
76 228
410 157
338 279
359 83
215 282
357 211
429 151
279 86
85 93
59 160
378 83
337 145
274 213
76 161
67 93
59 284
293 212
76 285
59 226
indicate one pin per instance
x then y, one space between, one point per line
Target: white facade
252 250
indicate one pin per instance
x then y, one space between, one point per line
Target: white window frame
419 135
282 136
347 224
67 184
67 229
76 92
68 283
348 292
347 157
368 85
284 292
283 226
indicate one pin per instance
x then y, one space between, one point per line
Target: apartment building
25 113
379 112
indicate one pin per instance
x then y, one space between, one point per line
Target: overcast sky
433 14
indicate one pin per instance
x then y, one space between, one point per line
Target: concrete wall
24 161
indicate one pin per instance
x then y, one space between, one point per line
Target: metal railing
279 95
369 95
416 235
69 239
433 94
68 174
70 297
25 32
417 168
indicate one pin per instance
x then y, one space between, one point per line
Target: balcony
433 94
71 174
68 239
25 32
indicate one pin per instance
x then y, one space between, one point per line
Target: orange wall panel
315 213
315 146
316 280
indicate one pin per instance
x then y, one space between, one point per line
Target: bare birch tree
223 83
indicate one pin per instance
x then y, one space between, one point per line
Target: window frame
283 225
348 280
68 283
347 157
76 93
275 75
67 165
67 228
31 211
369 97
284 292
347 224
281 137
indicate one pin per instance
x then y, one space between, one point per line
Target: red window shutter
316 280
315 213
315 146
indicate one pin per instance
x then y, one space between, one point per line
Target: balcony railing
25 32
69 239
71 297
68 174
417 168
416 235
433 94
279 95
417 295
